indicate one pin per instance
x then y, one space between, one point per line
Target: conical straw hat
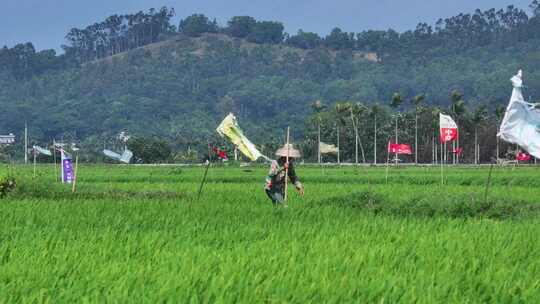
292 151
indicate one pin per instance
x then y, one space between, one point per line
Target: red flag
522 156
448 134
221 154
457 151
399 149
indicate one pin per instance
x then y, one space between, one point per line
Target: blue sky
45 22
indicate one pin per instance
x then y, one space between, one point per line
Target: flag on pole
229 129
328 149
521 122
67 168
448 128
399 149
457 151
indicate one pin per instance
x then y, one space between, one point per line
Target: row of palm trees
356 126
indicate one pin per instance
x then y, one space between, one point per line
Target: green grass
138 234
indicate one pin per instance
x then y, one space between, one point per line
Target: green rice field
139 234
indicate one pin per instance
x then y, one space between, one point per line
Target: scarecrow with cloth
275 181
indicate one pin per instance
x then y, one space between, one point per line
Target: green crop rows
139 234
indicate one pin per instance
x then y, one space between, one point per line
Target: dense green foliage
139 72
139 234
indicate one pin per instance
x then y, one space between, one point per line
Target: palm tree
357 110
397 100
318 107
417 101
479 117
341 110
499 114
375 109
458 110
435 125
354 111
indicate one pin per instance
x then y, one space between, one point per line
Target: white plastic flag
521 122
40 150
126 156
229 129
328 149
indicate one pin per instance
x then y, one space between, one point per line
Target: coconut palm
458 110
416 101
357 110
342 110
317 106
435 125
375 109
396 101
354 111
479 118
499 114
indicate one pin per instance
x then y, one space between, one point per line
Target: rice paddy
140 234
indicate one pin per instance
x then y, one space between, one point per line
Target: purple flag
67 168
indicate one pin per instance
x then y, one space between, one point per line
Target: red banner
448 134
521 156
399 149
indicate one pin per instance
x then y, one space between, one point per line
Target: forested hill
141 73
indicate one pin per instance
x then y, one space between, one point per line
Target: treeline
464 31
362 130
118 33
22 61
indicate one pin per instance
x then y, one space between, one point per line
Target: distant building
7 139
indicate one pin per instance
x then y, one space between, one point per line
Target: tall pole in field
375 142
318 141
287 167
25 143
442 165
338 150
387 159
55 165
34 152
416 137
396 138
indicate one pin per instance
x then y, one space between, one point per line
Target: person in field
275 181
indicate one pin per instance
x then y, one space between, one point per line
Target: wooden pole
203 180
287 167
75 173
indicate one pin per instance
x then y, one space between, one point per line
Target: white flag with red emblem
448 128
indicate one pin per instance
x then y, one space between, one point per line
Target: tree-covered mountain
141 73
